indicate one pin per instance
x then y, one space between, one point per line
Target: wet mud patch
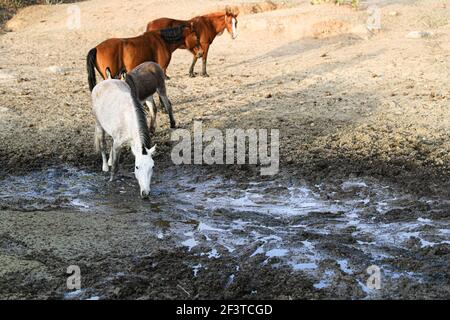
202 235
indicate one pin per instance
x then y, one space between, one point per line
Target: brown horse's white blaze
234 32
208 27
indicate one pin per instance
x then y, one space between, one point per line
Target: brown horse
208 27
116 56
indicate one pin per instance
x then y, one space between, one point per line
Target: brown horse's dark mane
173 35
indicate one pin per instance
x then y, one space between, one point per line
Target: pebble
419 34
56 69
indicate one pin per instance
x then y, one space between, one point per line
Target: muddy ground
364 123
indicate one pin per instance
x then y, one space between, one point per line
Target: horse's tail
90 65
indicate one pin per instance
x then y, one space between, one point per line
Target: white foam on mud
298 200
74 294
365 288
204 227
260 220
190 243
213 254
326 280
343 264
353 184
277 253
304 266
51 185
260 250
79 203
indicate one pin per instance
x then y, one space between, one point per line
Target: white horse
119 114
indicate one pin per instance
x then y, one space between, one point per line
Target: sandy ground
349 105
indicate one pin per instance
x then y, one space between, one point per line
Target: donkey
149 78
208 27
119 114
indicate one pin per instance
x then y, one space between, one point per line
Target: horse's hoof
167 77
205 75
192 75
105 168
173 126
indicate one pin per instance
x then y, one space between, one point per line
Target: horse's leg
100 143
191 69
205 60
153 111
164 59
167 105
110 157
161 105
115 152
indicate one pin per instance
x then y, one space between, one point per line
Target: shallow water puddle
282 223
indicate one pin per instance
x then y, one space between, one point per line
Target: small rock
419 34
393 13
56 69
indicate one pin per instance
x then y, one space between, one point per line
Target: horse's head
144 169
231 20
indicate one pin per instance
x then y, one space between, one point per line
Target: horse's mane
141 114
215 14
211 15
173 35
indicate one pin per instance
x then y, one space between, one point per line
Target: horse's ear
152 150
232 11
